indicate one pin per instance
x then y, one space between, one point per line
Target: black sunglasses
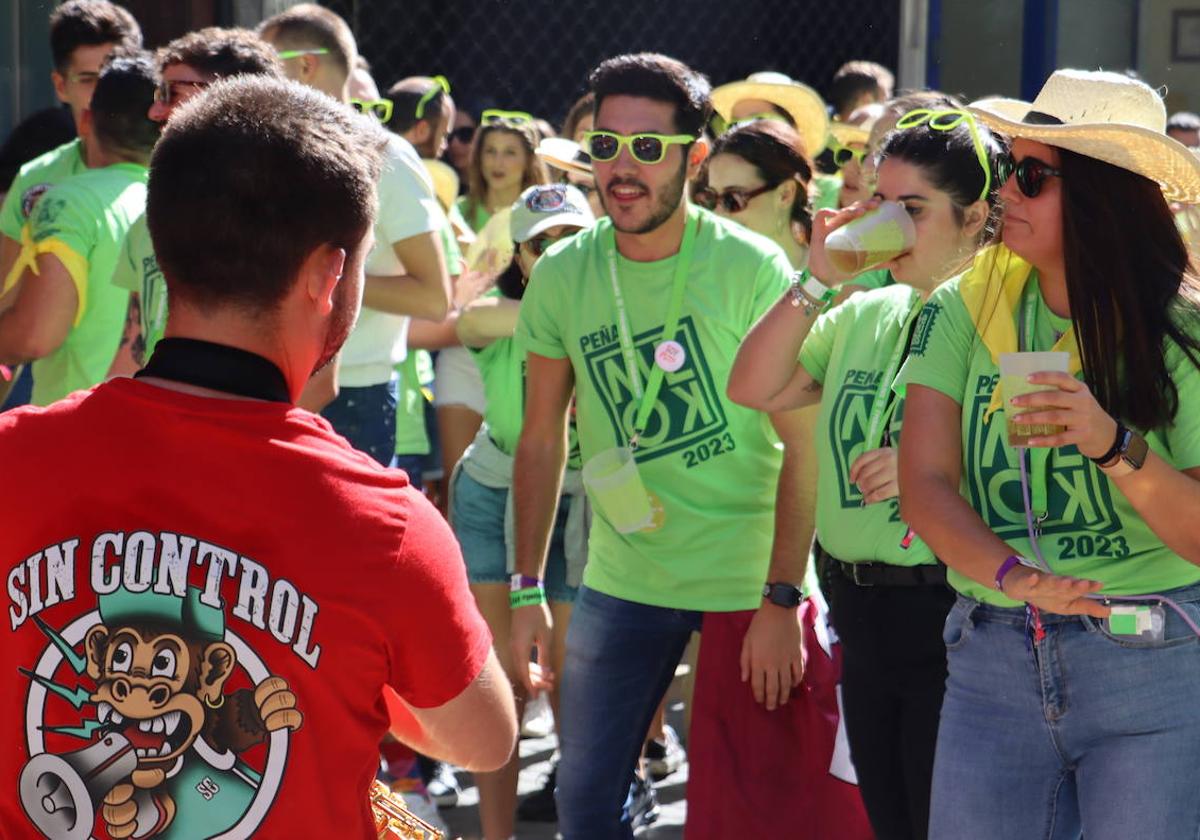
1031 174
462 134
734 200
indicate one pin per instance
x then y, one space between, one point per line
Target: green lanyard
885 402
1038 456
670 328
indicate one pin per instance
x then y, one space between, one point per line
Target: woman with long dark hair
886 588
1074 656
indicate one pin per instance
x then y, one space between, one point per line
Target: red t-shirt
186 580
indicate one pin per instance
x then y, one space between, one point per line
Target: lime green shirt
502 368
706 462
478 219
849 351
137 271
90 214
1091 531
416 373
34 179
825 191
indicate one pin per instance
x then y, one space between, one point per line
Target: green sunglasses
948 120
495 115
844 154
284 55
648 148
379 108
440 86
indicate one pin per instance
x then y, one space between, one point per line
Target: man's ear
422 131
322 271
696 157
60 85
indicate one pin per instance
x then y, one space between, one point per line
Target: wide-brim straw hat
1106 116
857 128
565 154
804 104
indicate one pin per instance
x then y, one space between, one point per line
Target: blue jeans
1083 734
621 657
367 418
414 465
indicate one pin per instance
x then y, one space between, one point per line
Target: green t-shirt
825 191
137 271
849 351
502 368
1091 531
476 220
34 179
416 372
706 462
89 214
451 249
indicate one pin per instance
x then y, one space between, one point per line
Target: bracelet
810 293
517 582
532 597
1114 450
1006 567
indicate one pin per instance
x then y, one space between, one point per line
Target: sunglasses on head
734 199
844 154
381 109
1031 173
440 86
647 148
494 115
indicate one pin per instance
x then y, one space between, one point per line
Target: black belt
885 574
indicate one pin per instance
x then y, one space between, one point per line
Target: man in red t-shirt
207 591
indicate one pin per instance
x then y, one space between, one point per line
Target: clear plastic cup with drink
1015 368
872 239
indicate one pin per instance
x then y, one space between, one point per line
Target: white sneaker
424 808
664 756
538 721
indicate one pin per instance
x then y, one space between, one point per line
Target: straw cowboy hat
1106 116
802 103
564 154
857 127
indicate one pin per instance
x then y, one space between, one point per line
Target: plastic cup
1014 368
617 491
879 236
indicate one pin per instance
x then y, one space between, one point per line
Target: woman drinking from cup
1074 660
887 589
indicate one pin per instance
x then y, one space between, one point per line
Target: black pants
893 678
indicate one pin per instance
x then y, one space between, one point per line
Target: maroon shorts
754 773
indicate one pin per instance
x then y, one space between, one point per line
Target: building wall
978 52
1182 78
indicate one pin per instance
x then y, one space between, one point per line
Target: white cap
549 205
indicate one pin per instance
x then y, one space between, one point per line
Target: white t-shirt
407 207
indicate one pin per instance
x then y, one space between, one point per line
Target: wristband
810 293
518 582
532 597
1115 449
1005 568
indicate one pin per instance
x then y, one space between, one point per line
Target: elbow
741 393
28 347
495 751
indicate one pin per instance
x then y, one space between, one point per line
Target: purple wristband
1005 568
518 582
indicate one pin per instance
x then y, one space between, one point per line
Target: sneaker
443 785
642 804
538 721
664 756
540 806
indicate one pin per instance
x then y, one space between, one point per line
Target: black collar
217 367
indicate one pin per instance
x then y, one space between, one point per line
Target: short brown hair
660 77
221 53
855 78
405 95
248 179
309 26
89 23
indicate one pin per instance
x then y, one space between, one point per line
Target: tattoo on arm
133 330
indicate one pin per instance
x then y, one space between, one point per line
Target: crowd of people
392 430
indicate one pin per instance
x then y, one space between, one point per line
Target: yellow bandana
991 290
75 265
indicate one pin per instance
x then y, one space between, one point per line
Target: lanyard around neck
1039 457
884 405
671 326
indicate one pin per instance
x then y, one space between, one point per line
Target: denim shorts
477 515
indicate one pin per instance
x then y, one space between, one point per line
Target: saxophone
393 820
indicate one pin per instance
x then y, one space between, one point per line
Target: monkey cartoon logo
171 734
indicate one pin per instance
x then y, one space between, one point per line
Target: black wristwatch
783 595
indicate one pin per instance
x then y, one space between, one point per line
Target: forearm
487 320
1168 501
795 506
405 294
433 335
765 374
537 483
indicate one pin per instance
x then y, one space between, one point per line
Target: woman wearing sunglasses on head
502 165
481 504
1070 709
887 590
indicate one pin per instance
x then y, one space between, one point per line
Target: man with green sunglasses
640 317
406 271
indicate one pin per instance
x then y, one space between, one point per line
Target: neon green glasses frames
948 120
495 115
440 85
381 109
284 55
843 154
604 146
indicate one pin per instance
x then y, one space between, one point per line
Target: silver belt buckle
857 579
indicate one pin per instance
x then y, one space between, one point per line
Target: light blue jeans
1083 734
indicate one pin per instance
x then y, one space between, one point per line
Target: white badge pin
670 356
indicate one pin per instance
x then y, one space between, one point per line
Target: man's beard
341 322
668 201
